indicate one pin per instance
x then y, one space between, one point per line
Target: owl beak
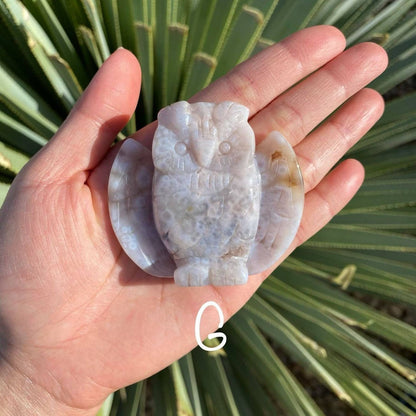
203 150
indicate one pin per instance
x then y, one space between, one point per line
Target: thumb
102 111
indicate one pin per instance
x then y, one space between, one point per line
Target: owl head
210 136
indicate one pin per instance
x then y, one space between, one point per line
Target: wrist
19 395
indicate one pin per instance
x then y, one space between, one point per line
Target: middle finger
296 112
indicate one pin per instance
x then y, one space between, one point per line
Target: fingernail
120 47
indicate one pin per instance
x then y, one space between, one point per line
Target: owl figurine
206 205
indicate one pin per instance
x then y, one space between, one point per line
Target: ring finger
299 110
322 148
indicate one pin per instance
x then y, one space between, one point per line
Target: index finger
259 80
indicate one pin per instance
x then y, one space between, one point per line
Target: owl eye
180 148
224 148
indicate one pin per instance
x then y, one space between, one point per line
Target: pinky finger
328 198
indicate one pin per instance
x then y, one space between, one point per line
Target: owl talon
231 272
192 275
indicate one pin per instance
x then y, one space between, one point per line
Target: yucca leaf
43 49
198 21
262 44
144 52
385 137
90 42
191 382
402 108
24 102
141 11
332 11
24 19
67 75
360 15
73 12
296 15
339 11
47 18
403 49
346 308
160 26
19 40
340 339
408 401
399 159
72 15
395 221
262 361
382 21
6 174
328 261
396 127
403 31
111 22
212 40
403 257
4 188
248 23
105 409
248 389
266 9
368 397
182 399
246 31
366 279
92 13
214 383
379 194
398 71
163 394
16 160
178 35
270 321
354 237
58 84
19 136
127 23
201 69
132 400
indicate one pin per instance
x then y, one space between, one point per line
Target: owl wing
131 213
281 202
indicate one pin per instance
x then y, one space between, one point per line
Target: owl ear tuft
174 115
230 110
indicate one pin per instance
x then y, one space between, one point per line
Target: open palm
78 319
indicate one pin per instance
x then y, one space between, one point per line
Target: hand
78 319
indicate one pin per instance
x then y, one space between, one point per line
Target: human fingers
101 112
296 112
331 195
322 148
258 80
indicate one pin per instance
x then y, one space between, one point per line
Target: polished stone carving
210 208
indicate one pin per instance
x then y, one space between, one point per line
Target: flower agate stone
210 208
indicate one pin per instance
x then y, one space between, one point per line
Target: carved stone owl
206 190
211 208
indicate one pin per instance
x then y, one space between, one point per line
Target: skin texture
77 318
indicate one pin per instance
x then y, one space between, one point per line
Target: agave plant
305 310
